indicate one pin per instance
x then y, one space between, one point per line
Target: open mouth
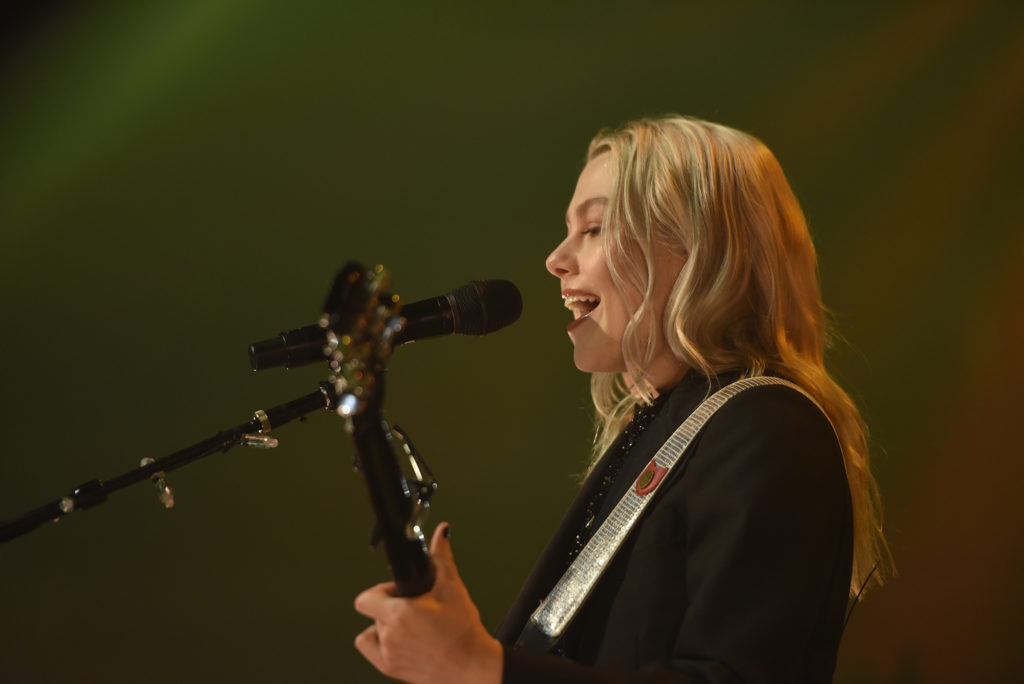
581 305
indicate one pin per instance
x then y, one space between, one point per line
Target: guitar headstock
360 319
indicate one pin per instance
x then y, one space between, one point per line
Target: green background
178 179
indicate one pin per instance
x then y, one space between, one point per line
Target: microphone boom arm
95 492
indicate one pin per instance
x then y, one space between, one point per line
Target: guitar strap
548 623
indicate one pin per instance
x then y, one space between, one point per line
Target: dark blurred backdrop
178 179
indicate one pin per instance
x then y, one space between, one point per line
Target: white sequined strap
547 624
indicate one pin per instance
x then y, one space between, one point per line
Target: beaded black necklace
643 414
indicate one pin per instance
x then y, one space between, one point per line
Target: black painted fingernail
447 531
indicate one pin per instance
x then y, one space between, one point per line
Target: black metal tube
95 492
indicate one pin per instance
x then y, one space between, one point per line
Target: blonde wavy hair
747 297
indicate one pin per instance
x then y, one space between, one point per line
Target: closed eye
592 230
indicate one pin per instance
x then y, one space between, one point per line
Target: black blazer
738 571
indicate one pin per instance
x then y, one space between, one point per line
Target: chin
597 363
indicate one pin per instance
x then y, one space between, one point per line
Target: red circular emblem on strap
650 478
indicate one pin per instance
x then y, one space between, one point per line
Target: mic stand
252 434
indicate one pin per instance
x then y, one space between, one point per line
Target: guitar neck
389 496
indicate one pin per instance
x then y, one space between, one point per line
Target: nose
560 262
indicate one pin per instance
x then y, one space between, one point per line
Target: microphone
476 308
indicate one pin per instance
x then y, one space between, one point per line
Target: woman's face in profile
600 312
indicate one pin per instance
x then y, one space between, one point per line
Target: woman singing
687 265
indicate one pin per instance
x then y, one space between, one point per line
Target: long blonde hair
747 297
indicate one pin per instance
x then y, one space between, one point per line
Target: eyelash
593 230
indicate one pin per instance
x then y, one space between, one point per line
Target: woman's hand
433 638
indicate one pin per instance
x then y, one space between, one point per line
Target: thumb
441 553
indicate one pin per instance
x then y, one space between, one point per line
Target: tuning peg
348 404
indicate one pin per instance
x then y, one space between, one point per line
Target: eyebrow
586 204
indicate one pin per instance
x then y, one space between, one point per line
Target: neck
663 376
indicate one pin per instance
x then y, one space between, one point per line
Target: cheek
592 262
617 314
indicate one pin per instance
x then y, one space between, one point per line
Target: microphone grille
483 306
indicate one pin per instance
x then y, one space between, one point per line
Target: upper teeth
580 299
